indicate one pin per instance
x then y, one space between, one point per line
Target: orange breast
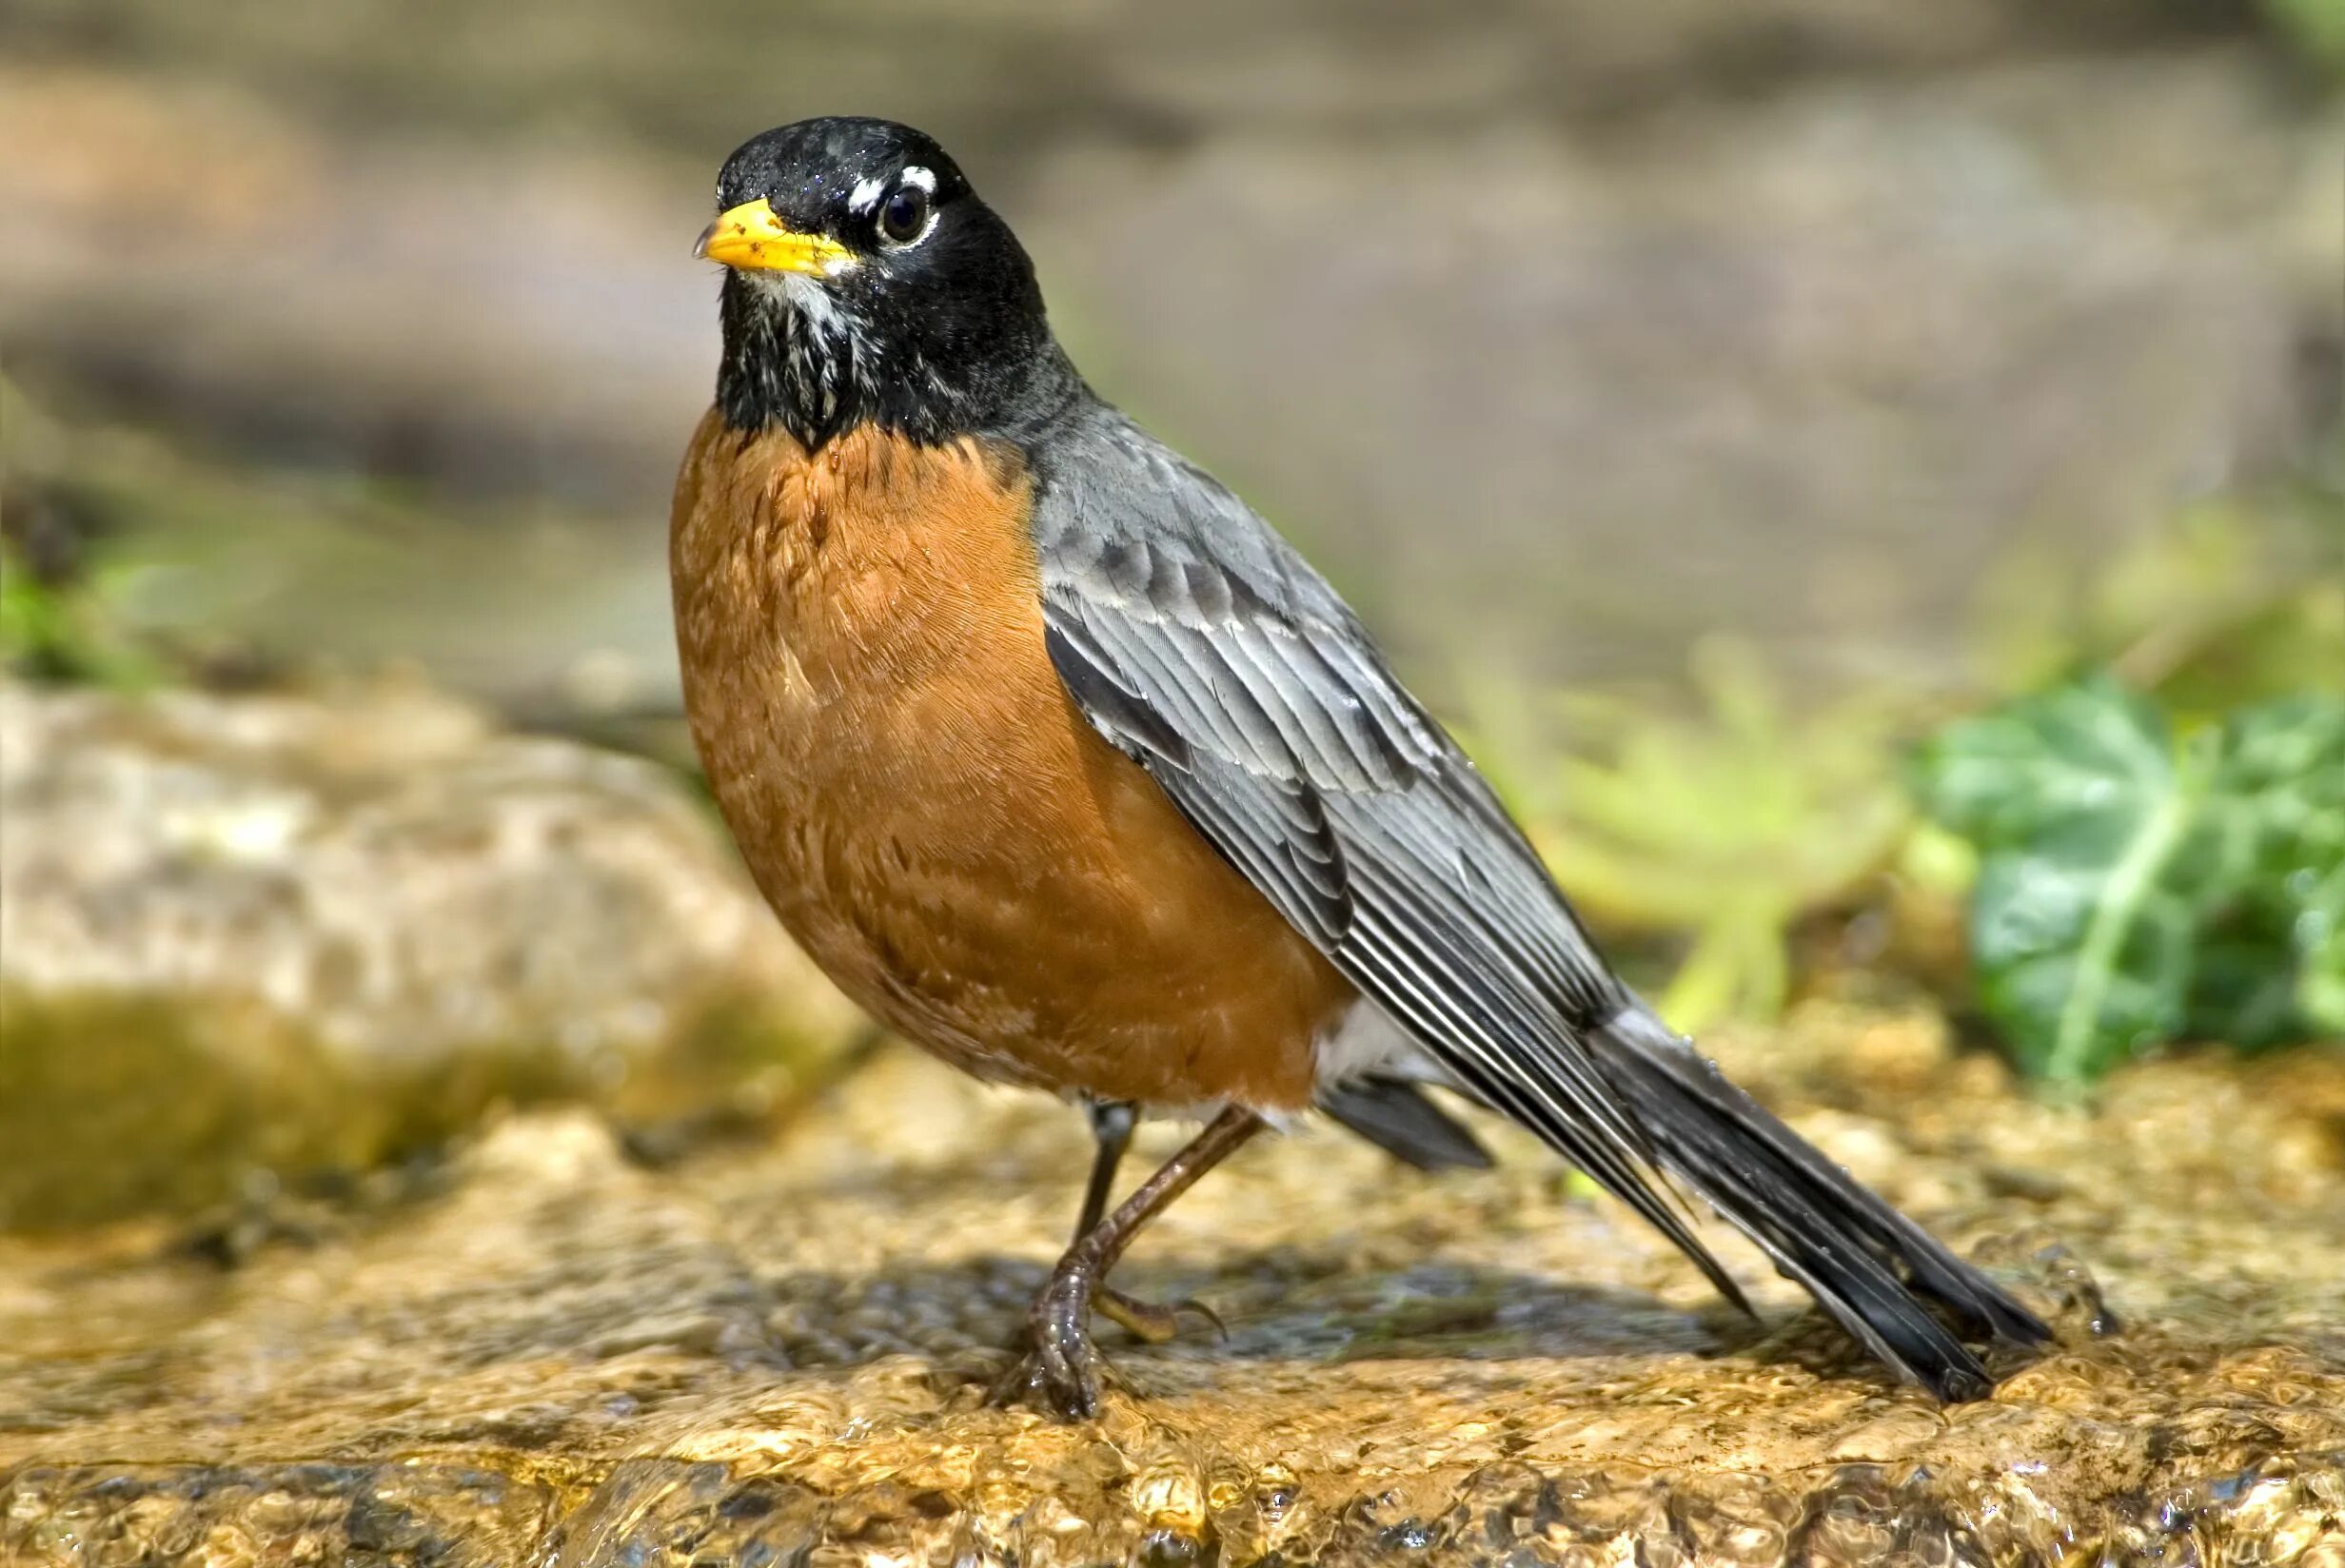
922 804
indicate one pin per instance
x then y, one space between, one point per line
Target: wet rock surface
778 1353
250 935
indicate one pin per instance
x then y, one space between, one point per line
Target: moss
112 1107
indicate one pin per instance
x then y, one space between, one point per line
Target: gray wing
1195 640
1200 644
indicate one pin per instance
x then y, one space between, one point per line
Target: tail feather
1396 1117
1865 1263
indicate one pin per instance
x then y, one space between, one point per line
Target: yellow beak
750 237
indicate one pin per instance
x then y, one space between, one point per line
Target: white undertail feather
1365 1040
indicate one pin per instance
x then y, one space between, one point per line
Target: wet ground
548 1352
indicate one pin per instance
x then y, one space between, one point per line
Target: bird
1066 766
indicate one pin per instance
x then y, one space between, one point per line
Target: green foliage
1723 825
2236 599
67 632
2136 886
2316 26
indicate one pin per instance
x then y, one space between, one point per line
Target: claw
1068 1388
1153 1322
1060 1370
1066 1367
1068 1377
1190 1303
1061 1367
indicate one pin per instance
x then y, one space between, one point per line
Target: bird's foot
1061 1367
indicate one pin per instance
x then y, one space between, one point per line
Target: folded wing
1198 642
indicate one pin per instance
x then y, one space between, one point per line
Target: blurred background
1561 333
1710 404
1865 478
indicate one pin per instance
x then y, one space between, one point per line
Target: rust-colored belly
925 809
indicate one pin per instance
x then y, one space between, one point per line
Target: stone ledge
563 1357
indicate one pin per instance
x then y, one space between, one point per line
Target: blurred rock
1558 333
776 1355
282 933
1805 368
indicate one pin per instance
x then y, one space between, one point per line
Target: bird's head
867 283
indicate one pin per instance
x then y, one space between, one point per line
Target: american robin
1062 762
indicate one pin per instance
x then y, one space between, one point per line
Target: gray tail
1874 1271
1396 1117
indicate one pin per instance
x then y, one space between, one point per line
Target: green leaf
2272 870
2084 757
2079 805
63 633
2244 988
2320 988
2280 790
2134 890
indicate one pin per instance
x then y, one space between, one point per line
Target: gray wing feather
1198 641
1193 637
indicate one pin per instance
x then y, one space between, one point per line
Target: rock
251 935
1569 392
778 1353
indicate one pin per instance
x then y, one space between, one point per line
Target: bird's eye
903 215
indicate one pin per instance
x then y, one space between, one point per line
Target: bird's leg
1111 1124
1063 1366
